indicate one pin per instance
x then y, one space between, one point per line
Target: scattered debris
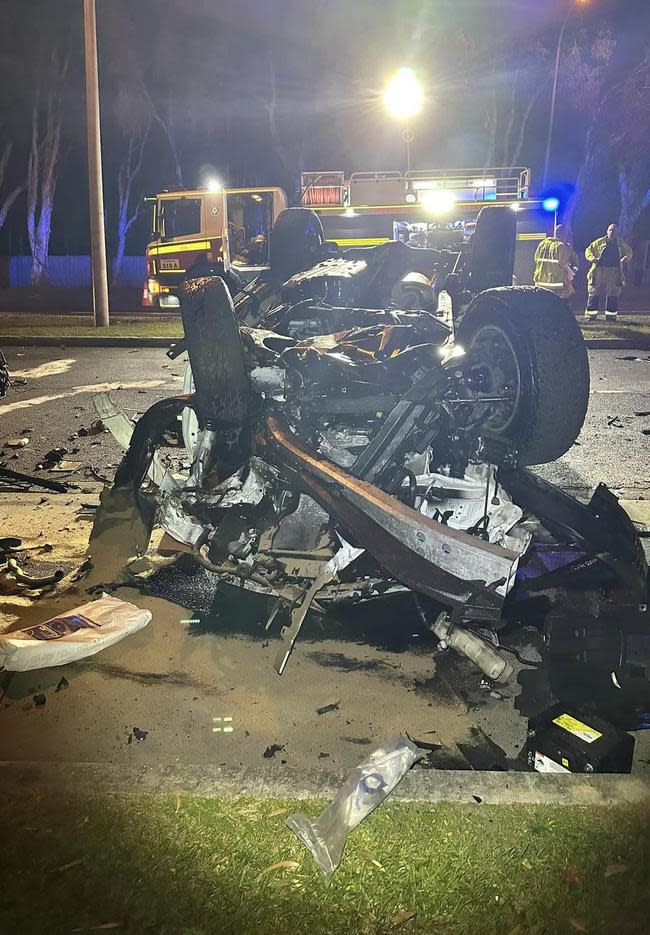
401 917
614 869
477 799
95 428
615 422
71 636
334 706
526 864
100 477
138 734
272 750
633 357
427 745
644 413
571 877
31 581
73 863
63 683
365 788
66 467
323 756
579 925
17 442
39 700
51 458
277 811
27 482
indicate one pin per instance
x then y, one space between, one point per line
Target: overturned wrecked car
361 423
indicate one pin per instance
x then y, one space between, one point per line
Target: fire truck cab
204 232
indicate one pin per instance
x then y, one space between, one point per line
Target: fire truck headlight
213 184
437 202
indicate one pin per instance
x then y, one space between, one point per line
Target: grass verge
181 864
631 329
67 326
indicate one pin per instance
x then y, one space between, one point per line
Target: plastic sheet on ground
365 788
72 635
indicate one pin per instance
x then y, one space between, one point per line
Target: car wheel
218 368
525 345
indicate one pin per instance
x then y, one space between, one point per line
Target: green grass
629 328
634 328
179 864
65 326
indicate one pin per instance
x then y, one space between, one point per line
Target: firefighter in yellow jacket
556 263
609 257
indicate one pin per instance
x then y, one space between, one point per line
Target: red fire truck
227 232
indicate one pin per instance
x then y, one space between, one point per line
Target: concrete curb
14 340
420 785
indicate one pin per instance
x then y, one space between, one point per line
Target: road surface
174 678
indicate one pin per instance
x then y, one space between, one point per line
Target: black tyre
221 380
524 343
202 269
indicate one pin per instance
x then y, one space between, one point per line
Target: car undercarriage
364 423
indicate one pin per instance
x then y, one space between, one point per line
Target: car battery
562 740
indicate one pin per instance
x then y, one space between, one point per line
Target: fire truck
431 208
227 233
203 232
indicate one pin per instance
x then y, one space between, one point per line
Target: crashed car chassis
342 407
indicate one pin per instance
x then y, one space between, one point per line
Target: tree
630 140
618 131
46 125
6 201
134 119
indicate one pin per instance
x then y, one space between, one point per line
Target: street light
558 51
403 100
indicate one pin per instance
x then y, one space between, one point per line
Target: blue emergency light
551 204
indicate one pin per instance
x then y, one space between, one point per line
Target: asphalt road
173 678
56 402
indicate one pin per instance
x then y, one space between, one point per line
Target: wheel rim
494 371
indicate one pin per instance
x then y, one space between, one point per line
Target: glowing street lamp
403 100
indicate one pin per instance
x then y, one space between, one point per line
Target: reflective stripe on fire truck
181 247
531 236
359 241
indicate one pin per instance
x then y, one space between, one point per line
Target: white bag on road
73 635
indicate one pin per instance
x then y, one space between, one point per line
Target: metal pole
407 136
551 119
97 234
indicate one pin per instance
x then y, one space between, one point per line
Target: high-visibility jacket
596 249
555 265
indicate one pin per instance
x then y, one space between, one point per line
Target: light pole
551 119
403 99
97 233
